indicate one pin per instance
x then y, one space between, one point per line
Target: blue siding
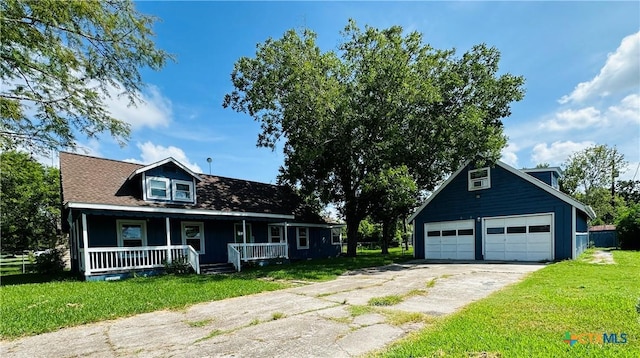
581 222
545 177
170 171
508 195
319 244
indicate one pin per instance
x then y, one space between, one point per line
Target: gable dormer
167 181
548 176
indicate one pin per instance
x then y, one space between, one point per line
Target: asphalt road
311 320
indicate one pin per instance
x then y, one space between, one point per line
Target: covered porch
276 248
152 243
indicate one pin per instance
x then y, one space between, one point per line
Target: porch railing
234 257
256 251
106 259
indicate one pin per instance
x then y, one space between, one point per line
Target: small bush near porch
30 308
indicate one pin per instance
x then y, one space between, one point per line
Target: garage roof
560 195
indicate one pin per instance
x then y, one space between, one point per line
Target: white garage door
452 240
522 238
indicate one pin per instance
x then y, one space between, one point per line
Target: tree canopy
59 60
590 176
383 99
30 203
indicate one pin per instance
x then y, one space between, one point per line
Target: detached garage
501 213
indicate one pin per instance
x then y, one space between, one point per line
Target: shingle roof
92 180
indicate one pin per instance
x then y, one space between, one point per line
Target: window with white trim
182 190
193 235
158 188
132 233
336 236
302 237
275 234
479 179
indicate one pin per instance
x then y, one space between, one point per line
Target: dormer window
479 179
169 189
182 190
158 188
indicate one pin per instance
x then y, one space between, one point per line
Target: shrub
50 262
628 228
178 266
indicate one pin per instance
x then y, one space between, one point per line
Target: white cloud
627 110
620 73
509 155
151 153
558 152
154 110
574 119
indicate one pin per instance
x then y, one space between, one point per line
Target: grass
327 269
30 309
530 319
34 304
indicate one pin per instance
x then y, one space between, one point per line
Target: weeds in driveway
276 316
385 300
200 323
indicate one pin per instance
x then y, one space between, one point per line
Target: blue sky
581 61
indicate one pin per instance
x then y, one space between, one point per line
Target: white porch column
244 239
168 228
85 245
286 239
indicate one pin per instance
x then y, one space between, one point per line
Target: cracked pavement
313 320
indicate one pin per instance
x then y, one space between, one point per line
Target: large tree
594 167
382 100
59 60
30 203
590 176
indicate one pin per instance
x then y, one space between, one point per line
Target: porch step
212 269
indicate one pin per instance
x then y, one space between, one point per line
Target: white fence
106 259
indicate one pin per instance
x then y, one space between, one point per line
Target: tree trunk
386 229
405 236
352 236
353 218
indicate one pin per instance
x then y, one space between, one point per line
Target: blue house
500 213
123 217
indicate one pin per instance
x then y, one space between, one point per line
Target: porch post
244 239
286 239
168 228
85 245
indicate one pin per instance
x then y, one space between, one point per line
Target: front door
193 235
237 232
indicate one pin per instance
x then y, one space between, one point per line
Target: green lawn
530 319
30 308
330 268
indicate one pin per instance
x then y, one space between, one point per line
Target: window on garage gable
479 179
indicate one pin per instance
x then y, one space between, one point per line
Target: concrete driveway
311 320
